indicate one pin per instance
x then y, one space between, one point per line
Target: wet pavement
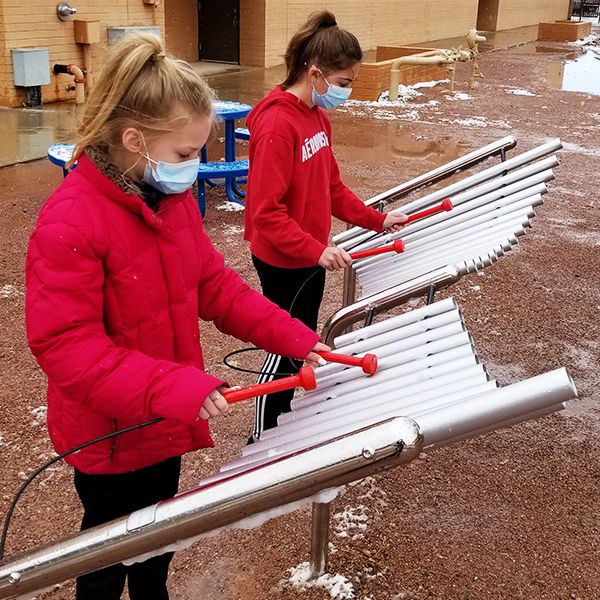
29 132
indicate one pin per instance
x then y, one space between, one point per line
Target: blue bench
241 133
60 154
221 170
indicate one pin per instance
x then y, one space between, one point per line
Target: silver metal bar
440 248
319 550
473 180
418 315
457 255
443 171
216 505
387 299
515 181
442 424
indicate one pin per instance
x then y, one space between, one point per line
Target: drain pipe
79 79
439 57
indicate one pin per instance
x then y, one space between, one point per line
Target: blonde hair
141 86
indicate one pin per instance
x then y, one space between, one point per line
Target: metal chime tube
497 190
510 402
397 324
210 507
473 180
386 299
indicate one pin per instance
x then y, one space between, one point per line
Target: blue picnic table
227 171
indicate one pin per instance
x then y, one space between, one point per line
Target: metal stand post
320 538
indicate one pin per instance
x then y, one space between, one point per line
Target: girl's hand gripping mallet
305 379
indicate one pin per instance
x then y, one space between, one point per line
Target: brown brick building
249 32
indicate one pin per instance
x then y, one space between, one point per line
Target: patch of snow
581 149
338 586
351 522
231 207
519 92
8 290
472 122
460 96
591 40
232 229
39 414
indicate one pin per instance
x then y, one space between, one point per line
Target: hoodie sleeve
273 160
238 310
348 207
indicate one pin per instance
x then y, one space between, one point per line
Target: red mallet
397 246
444 205
368 363
305 379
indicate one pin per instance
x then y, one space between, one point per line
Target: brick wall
496 15
181 28
35 24
252 32
374 22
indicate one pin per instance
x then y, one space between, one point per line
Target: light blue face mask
333 97
171 178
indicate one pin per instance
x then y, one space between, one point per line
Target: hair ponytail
141 86
322 41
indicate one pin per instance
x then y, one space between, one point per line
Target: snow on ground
337 585
519 91
231 207
351 522
8 290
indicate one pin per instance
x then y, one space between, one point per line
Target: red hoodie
294 184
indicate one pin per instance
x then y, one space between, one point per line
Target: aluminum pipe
494 190
537 393
387 299
394 324
477 178
213 506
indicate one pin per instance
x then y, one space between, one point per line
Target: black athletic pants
281 286
107 497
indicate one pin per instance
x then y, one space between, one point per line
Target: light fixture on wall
64 11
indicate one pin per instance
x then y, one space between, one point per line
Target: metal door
219 30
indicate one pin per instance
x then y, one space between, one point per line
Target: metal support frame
221 501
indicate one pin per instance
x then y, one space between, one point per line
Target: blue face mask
333 97
171 178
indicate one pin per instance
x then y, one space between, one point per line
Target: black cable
39 470
255 349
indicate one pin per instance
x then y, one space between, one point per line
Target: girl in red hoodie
294 185
119 270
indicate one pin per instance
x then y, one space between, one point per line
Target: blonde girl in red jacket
119 270
294 185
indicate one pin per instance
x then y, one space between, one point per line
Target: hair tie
158 56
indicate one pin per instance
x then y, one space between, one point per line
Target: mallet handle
305 379
444 205
397 246
368 363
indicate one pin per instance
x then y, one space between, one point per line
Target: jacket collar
130 201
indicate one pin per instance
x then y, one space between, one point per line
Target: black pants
107 497
281 286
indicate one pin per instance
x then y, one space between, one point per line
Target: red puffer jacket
114 292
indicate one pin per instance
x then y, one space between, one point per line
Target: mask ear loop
124 173
127 182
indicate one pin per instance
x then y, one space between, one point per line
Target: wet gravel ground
512 514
